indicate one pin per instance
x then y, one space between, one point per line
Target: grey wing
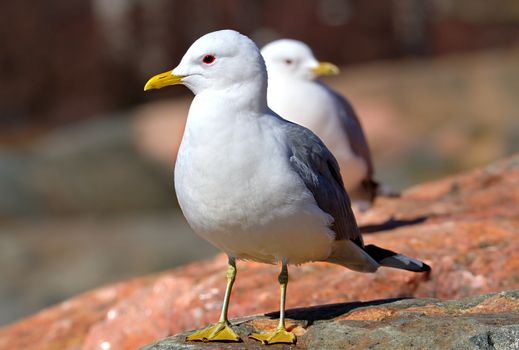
353 128
319 170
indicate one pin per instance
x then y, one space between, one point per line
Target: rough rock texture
470 238
488 321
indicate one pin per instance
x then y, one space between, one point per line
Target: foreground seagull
295 94
255 185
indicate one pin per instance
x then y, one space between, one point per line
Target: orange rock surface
470 239
488 321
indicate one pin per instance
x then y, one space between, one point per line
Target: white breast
237 190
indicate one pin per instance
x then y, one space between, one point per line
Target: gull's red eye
208 59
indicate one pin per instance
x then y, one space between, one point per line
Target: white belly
248 202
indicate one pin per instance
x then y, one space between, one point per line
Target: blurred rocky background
86 157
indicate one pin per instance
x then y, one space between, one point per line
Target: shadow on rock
329 311
391 224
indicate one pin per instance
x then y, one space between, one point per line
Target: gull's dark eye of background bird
87 158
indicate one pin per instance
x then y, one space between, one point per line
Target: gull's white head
291 58
224 59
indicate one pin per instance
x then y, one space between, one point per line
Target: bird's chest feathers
223 174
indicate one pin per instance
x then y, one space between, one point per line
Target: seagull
293 74
255 185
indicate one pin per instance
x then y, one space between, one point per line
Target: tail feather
389 258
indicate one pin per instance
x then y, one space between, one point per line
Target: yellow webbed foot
279 336
221 331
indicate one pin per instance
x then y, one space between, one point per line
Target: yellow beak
326 68
163 79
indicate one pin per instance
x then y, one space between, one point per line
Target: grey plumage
353 129
319 170
356 138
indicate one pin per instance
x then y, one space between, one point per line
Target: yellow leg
280 335
221 331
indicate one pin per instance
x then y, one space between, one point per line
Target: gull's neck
247 97
222 114
251 96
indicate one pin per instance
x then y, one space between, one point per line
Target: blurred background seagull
295 94
255 185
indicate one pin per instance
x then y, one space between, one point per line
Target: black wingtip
425 267
389 258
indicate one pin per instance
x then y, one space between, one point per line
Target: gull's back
319 170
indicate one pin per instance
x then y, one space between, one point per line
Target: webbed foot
221 331
279 336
